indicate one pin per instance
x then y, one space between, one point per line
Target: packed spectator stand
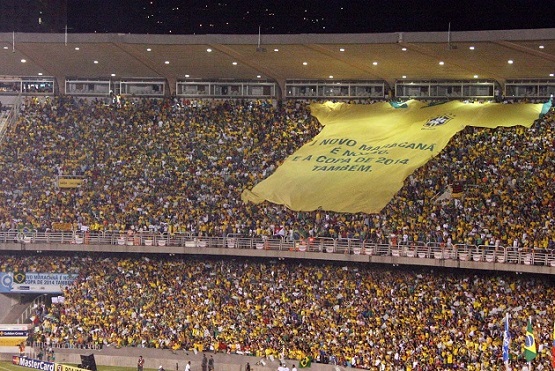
178 166
369 317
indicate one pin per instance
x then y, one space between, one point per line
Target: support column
172 81
59 85
280 90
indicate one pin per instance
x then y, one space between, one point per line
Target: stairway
13 312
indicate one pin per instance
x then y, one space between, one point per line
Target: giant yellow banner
363 154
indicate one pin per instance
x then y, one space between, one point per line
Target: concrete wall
285 254
8 100
171 360
7 302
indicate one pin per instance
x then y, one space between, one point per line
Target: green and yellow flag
305 362
530 351
364 153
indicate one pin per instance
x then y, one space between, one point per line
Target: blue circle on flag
7 280
529 340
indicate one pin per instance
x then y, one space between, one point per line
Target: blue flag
506 340
396 104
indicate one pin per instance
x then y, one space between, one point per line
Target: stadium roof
496 55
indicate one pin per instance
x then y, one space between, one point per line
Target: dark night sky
315 16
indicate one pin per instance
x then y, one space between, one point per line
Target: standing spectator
204 364
211 364
22 349
50 355
188 366
248 367
140 363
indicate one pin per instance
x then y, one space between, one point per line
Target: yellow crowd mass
177 165
363 316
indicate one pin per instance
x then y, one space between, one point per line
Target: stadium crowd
178 165
148 164
369 317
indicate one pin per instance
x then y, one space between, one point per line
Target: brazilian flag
530 351
19 277
305 362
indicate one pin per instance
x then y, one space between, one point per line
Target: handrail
11 118
39 300
345 246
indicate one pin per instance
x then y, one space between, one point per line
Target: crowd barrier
461 252
65 345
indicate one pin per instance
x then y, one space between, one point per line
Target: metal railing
11 118
30 310
347 246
